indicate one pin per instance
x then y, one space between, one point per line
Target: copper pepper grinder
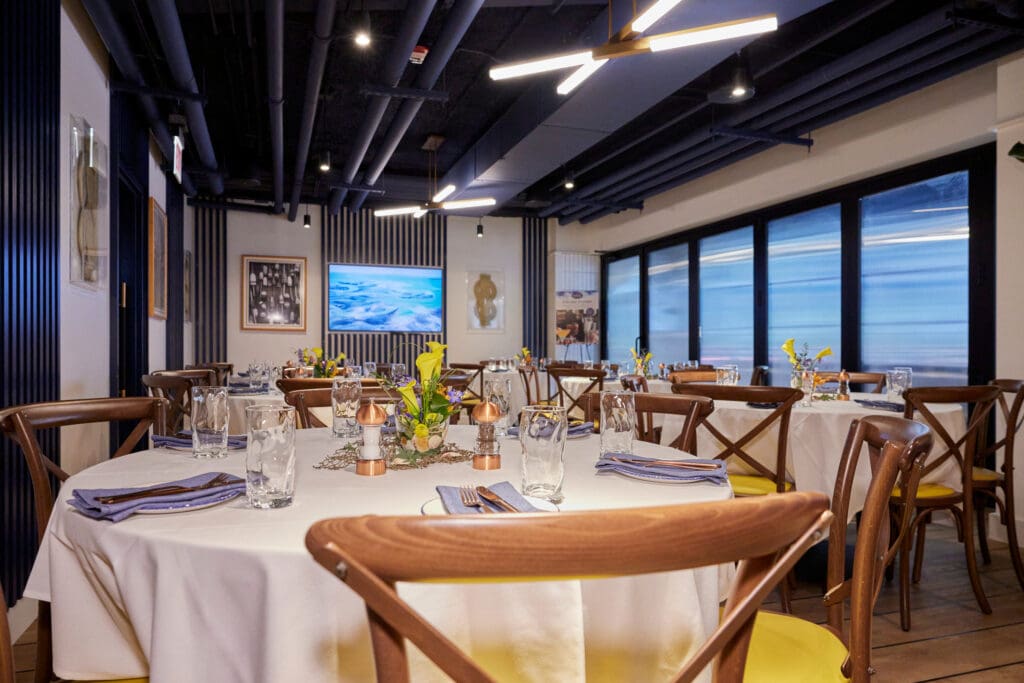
487 456
370 463
844 386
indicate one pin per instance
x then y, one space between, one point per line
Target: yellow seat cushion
753 485
786 648
983 474
928 491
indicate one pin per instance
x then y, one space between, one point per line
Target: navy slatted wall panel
29 254
399 241
211 282
535 285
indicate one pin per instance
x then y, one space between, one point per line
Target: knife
492 497
682 464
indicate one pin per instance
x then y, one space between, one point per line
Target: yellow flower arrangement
322 367
423 421
641 361
803 360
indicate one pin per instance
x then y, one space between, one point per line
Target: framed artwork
274 293
157 261
485 301
186 286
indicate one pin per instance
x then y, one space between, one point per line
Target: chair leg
1011 540
979 515
44 645
905 578
919 549
972 560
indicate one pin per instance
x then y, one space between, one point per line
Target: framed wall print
273 293
485 299
157 261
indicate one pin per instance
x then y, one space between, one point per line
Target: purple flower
454 396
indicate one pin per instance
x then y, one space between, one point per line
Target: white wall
264 235
499 250
157 327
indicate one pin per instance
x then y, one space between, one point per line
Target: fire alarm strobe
419 53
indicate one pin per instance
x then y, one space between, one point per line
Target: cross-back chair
371 553
6 651
872 382
784 647
966 452
305 400
286 384
222 370
22 423
765 479
987 483
176 387
531 385
759 376
686 376
474 381
693 409
566 399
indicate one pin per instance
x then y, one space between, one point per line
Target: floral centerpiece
423 422
322 367
641 362
524 356
803 362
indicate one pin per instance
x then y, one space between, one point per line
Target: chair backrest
873 382
896 448
6 651
474 379
735 444
370 554
304 400
223 371
206 377
286 384
979 400
22 422
694 410
636 383
531 384
176 387
759 377
1012 411
684 376
566 399
564 364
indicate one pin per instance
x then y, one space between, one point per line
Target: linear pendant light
444 193
581 74
711 34
538 66
652 14
397 211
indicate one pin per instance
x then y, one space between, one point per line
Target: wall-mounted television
384 298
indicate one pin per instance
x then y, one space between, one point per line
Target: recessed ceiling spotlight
570 182
361 36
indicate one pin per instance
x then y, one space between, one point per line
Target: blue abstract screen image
384 299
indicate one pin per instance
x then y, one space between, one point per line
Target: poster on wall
273 293
485 301
576 317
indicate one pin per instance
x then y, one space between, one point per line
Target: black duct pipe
233 206
323 25
275 94
910 82
882 74
172 39
455 28
413 21
117 45
920 28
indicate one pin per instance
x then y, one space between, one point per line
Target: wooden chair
531 385
562 395
371 554
693 409
987 483
304 400
784 647
474 381
286 384
564 364
6 651
931 498
687 376
176 387
223 371
637 383
21 424
765 480
759 377
873 382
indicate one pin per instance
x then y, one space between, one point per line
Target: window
804 286
623 297
668 303
914 280
727 299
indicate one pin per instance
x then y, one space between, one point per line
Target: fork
221 479
470 498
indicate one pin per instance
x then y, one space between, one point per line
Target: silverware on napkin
221 479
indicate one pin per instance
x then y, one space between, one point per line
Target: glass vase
412 447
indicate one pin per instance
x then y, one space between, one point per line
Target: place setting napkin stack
694 469
86 501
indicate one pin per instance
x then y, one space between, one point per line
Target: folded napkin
184 442
574 430
881 405
453 503
766 406
651 468
85 500
246 389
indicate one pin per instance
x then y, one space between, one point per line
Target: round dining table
229 593
238 401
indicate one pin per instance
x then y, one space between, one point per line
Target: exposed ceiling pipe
413 20
172 39
920 28
117 45
912 79
455 28
323 25
275 94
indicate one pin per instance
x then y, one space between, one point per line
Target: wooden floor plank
925 660
1013 673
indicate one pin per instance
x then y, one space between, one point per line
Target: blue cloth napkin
185 442
453 503
85 500
881 405
574 430
637 467
245 389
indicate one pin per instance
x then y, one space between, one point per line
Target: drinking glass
618 421
588 365
369 369
542 431
270 456
908 373
692 364
895 383
210 422
345 394
255 375
398 372
498 390
723 375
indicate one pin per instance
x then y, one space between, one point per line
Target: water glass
588 365
606 365
908 374
210 422
270 456
498 390
895 382
369 369
345 394
618 421
398 372
723 374
542 431
256 375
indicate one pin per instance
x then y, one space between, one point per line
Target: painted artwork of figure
484 293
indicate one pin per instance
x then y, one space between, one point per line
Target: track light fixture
325 161
570 182
307 223
739 87
480 229
361 36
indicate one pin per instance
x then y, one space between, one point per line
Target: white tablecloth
237 403
230 593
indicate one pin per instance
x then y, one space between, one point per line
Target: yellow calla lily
436 347
408 394
827 351
429 364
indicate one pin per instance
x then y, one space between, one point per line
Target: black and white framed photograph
273 293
